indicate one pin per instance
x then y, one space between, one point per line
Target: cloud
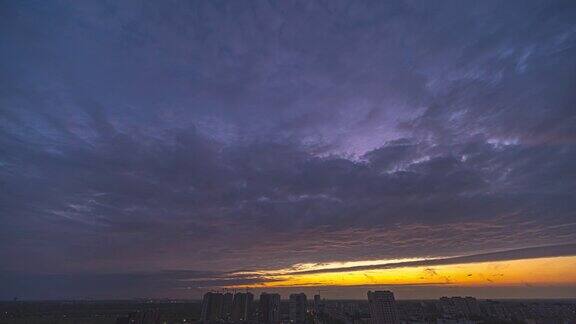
261 135
517 254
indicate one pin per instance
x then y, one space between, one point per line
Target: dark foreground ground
329 312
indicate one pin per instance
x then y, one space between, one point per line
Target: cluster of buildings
225 308
241 308
382 308
219 307
460 307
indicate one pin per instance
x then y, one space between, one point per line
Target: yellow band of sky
539 271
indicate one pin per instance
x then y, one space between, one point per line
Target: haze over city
165 149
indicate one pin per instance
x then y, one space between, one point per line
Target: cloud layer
257 135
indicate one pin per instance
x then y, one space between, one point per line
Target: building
227 306
212 307
458 307
318 305
269 308
297 308
382 307
242 307
149 316
317 299
473 307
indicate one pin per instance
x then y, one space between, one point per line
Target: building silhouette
318 305
212 307
297 308
227 306
269 308
147 316
242 307
459 307
382 307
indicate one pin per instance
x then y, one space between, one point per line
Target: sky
169 148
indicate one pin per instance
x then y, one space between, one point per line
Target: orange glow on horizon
540 271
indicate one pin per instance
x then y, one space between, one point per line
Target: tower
382 307
269 308
242 307
297 308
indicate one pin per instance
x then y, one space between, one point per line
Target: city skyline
380 307
165 149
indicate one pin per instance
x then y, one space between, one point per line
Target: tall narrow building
242 309
297 308
382 307
212 306
269 308
318 305
227 306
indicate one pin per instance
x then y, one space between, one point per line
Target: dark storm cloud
218 136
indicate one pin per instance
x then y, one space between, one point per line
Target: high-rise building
297 308
382 307
227 306
212 306
242 308
318 305
269 308
317 299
